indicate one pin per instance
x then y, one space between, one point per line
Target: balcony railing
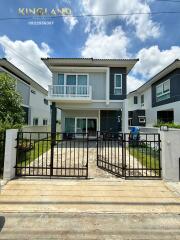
70 91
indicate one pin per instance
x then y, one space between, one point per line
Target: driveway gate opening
46 154
66 155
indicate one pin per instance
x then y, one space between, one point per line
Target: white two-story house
34 96
158 100
91 93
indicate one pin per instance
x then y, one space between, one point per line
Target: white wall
152 113
147 100
38 108
170 155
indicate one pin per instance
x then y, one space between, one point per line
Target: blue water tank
134 133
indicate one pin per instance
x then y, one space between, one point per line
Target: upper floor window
60 80
45 122
118 84
142 100
45 101
72 79
73 84
35 121
163 91
135 100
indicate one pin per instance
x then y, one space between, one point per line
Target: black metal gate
122 156
53 155
110 153
66 154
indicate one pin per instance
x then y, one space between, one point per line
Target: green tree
10 101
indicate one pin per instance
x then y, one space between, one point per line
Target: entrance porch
91 121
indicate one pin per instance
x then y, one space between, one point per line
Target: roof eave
128 63
4 63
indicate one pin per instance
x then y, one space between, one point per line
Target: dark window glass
35 121
142 99
26 114
45 122
45 101
135 100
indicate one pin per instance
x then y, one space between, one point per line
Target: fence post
10 154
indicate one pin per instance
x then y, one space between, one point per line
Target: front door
92 127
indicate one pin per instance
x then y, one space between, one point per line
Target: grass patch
148 157
34 150
170 125
31 150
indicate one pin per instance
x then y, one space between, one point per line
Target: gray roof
174 65
90 62
10 68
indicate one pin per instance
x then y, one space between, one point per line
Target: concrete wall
10 154
170 155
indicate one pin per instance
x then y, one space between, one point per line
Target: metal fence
47 154
126 157
2 151
110 152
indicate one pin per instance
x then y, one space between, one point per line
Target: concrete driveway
89 209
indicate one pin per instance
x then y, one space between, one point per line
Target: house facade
35 103
91 93
158 100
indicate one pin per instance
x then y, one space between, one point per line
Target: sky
153 38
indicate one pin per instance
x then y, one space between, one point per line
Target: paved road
89 209
82 226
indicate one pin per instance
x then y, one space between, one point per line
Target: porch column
53 117
125 116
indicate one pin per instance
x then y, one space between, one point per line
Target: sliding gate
126 157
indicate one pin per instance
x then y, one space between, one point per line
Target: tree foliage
11 111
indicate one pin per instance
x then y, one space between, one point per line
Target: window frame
142 102
134 99
115 87
162 90
36 118
46 102
45 119
76 74
140 119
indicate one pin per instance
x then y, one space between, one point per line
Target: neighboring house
35 103
158 100
92 93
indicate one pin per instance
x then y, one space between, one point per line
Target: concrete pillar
53 117
125 116
10 154
170 155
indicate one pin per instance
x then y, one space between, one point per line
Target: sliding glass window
69 125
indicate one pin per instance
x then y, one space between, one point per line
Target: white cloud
70 22
26 55
101 45
152 60
144 26
133 83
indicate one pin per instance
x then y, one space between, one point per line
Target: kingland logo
36 12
